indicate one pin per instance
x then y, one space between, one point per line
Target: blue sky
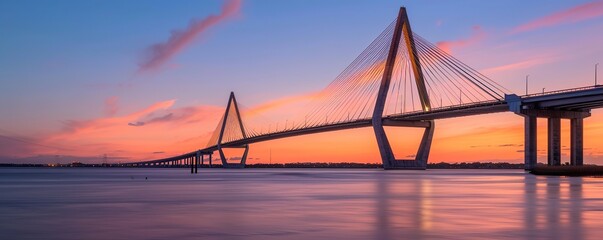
61 60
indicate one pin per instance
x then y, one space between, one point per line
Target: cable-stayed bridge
402 80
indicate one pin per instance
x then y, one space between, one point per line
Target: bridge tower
402 29
232 109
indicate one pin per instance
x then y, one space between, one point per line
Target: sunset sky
140 80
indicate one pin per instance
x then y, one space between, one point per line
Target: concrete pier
553 136
577 141
554 142
530 142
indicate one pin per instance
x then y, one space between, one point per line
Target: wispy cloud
136 124
521 64
21 146
439 23
477 35
183 115
111 106
572 15
161 126
82 126
160 53
278 103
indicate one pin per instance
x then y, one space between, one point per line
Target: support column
425 147
210 164
577 142
531 142
197 162
554 143
190 160
202 160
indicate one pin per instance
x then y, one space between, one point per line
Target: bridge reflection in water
447 207
118 203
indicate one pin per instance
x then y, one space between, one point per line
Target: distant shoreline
541 169
441 165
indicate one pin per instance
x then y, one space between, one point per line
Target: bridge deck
579 99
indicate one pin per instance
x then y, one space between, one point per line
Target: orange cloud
575 14
160 53
477 35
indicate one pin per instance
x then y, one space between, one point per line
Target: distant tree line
441 165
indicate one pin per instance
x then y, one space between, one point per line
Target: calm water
296 204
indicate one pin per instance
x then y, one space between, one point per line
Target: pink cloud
575 14
279 103
111 106
439 23
160 53
16 146
85 126
521 65
163 127
183 115
477 35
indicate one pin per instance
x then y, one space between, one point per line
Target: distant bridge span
371 80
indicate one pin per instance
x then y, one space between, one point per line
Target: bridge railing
563 91
451 107
182 156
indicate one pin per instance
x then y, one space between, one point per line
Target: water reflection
297 204
382 221
551 207
575 201
417 210
530 208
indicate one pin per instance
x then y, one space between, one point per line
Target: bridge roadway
568 103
